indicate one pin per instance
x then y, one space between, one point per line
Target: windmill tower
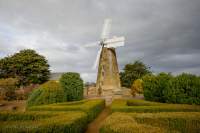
108 80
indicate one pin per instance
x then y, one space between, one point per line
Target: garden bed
183 122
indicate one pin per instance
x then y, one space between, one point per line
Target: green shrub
47 93
7 88
43 122
154 86
185 122
145 106
137 87
184 88
91 107
72 85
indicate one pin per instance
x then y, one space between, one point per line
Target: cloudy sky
163 34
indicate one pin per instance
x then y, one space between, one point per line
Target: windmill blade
106 29
94 44
115 45
115 42
97 58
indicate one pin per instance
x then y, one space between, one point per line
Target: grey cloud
163 34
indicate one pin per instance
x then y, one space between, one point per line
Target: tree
132 72
27 66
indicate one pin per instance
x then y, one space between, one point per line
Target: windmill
108 73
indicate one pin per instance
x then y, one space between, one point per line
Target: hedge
72 84
184 88
57 122
91 107
185 122
123 123
120 105
47 93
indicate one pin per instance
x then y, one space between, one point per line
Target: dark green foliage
156 86
43 122
47 93
7 88
184 88
132 72
27 66
91 107
72 84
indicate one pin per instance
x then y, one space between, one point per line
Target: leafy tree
132 72
27 66
72 84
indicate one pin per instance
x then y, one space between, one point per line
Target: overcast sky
164 34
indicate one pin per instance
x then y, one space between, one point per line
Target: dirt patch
13 105
95 125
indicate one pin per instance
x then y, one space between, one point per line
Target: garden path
95 125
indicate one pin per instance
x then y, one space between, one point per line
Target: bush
184 88
137 87
154 86
145 106
7 88
47 93
68 122
72 85
91 107
185 122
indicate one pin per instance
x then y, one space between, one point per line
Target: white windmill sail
114 42
106 29
94 44
97 58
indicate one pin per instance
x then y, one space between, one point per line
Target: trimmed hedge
91 107
185 122
72 84
57 122
184 88
47 93
123 123
145 106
